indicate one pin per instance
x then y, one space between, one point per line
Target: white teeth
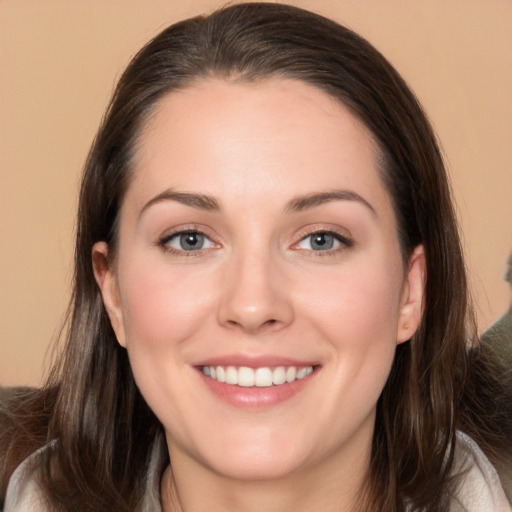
300 374
245 377
259 377
291 373
231 375
221 374
279 375
263 377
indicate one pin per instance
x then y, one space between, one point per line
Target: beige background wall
59 60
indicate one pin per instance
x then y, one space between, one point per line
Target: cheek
162 307
355 313
358 307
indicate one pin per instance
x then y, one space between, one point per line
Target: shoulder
23 491
480 489
25 495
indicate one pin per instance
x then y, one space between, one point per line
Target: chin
257 468
253 460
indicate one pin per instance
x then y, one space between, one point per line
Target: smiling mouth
263 377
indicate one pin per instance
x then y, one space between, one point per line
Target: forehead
246 138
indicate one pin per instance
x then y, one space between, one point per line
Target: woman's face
257 244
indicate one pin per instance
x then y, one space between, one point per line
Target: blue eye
323 241
187 241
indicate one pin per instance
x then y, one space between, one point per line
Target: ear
107 282
411 304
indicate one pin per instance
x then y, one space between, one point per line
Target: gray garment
24 495
480 491
498 338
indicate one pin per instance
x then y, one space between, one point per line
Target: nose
254 296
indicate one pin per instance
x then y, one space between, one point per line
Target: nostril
257 327
270 324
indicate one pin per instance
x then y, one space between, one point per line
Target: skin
259 288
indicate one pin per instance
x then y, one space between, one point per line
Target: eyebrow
198 201
297 204
318 198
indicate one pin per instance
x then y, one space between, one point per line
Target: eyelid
163 240
345 241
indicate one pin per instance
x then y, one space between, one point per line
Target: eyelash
345 243
163 242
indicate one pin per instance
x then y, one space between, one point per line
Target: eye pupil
191 241
322 241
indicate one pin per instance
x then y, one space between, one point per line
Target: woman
275 315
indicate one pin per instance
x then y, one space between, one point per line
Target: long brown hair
103 427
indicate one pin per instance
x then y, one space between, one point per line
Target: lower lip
256 397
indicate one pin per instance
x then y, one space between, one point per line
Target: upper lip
254 361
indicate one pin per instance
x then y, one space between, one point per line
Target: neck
327 486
